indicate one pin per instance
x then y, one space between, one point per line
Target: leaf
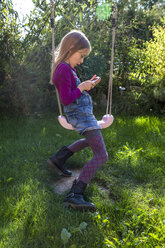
83 7
58 135
116 240
9 179
103 10
153 236
43 131
83 226
80 16
109 243
73 246
65 236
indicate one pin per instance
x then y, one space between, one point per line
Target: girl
78 108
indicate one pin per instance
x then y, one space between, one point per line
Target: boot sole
59 172
79 207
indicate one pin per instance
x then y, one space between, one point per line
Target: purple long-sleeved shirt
65 82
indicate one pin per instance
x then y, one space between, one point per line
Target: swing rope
109 98
53 53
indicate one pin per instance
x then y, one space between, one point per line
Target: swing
108 118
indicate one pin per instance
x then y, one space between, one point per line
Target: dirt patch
64 183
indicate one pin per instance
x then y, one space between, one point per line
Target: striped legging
95 140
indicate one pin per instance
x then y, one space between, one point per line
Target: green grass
129 191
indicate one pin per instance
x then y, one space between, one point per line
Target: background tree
10 46
149 64
26 60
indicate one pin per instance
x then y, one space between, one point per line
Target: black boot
75 197
58 160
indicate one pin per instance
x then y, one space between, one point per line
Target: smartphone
96 79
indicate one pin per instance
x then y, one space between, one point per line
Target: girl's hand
86 85
96 80
89 84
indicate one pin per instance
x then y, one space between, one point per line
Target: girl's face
77 58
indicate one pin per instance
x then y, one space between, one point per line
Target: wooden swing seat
106 121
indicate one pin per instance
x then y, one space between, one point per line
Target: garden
129 190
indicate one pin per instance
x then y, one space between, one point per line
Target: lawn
129 191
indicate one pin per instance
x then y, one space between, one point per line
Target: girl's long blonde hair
72 42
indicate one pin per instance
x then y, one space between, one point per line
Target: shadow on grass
127 191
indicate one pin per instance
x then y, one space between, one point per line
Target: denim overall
80 113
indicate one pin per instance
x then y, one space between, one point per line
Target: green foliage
65 235
26 60
10 45
103 10
148 64
149 60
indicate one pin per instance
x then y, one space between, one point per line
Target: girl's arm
67 95
66 85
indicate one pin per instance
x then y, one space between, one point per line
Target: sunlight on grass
128 191
149 123
129 155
